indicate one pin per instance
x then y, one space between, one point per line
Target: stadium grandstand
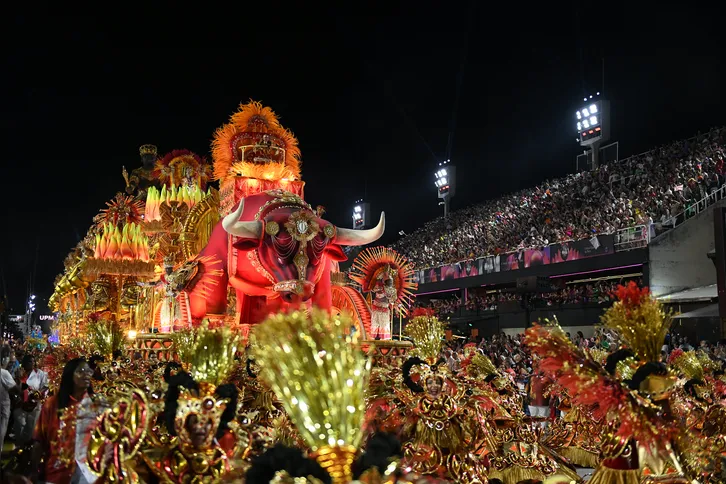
497 266
658 188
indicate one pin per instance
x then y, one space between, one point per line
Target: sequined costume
575 436
518 450
387 277
384 295
320 376
195 446
640 430
440 419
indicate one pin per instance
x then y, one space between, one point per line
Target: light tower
445 182
592 122
29 310
361 214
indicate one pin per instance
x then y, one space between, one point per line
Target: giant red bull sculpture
271 248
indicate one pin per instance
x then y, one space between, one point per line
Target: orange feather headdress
254 144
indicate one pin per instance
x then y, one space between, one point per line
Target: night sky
369 91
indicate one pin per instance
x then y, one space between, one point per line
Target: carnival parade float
172 250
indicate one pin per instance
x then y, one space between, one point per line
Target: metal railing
632 238
692 209
629 235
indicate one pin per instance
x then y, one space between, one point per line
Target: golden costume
440 420
638 441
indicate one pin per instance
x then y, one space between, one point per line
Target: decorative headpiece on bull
272 247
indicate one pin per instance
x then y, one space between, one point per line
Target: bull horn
233 226
361 237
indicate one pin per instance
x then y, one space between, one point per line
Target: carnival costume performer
576 435
209 443
381 314
200 442
632 397
143 177
55 432
388 278
440 419
171 316
702 417
517 450
320 375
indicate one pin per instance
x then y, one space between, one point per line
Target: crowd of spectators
657 189
598 292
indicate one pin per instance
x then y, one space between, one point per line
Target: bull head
234 226
294 245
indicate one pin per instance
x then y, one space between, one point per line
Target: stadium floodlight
592 122
361 214
445 183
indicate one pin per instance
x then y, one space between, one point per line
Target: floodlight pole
595 154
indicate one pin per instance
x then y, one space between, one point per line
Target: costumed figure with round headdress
388 279
631 393
440 419
318 372
205 441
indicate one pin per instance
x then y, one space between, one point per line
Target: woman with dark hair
55 433
33 383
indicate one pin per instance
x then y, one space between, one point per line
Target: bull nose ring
295 286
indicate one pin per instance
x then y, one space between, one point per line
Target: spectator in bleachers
600 292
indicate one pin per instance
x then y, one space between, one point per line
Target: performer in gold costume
143 177
440 419
206 442
320 375
631 395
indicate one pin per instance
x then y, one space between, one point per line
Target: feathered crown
640 321
208 354
254 144
147 150
427 334
320 375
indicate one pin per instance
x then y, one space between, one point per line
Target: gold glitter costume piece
320 375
